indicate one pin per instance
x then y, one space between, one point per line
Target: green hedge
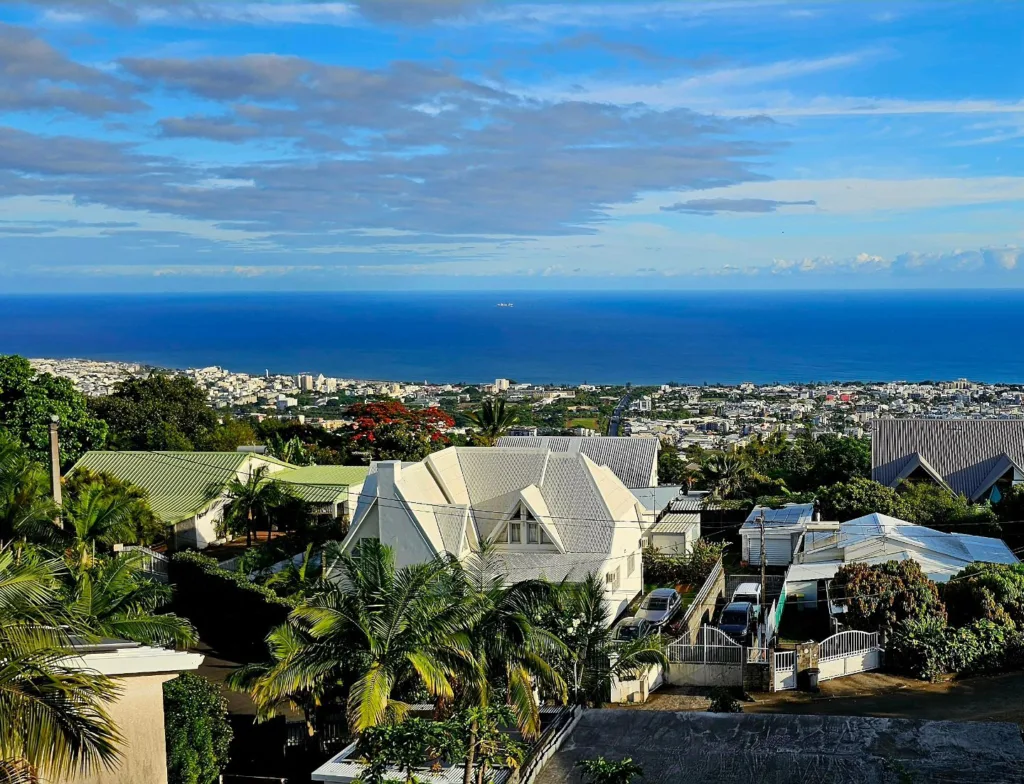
197 730
930 648
232 614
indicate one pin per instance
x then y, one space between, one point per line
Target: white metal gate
847 653
712 658
784 676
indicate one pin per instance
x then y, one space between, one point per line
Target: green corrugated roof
177 482
323 484
327 475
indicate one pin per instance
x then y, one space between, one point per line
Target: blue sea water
689 337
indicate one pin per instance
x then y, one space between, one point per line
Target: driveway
993 698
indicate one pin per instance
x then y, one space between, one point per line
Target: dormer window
534 532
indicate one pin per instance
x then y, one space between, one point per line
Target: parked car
659 606
738 621
632 629
748 592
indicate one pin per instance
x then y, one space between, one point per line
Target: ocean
554 337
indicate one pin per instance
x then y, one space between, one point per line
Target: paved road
992 698
616 420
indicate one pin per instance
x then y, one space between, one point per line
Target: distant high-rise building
501 385
305 382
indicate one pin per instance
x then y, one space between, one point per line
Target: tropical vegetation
196 729
492 421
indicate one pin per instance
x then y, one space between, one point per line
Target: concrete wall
139 715
703 611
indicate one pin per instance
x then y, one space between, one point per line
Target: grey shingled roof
633 460
966 453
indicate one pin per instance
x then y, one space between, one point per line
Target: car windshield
734 618
629 632
745 597
656 603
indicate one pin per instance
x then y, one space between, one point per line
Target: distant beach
713 337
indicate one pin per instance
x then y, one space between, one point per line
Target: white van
748 592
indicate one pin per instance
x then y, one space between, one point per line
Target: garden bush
930 648
197 731
690 569
231 613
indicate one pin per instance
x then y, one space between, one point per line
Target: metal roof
633 460
656 499
675 523
692 502
966 453
177 483
789 515
322 484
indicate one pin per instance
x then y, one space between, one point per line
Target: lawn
583 422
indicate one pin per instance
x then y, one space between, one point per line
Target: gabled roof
964 452
859 538
1003 465
578 503
177 483
633 460
915 463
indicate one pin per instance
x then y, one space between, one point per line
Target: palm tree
493 421
510 651
26 508
375 630
581 618
54 723
725 473
99 516
298 578
252 502
113 599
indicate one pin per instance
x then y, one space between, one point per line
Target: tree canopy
859 497
27 402
157 412
881 596
390 431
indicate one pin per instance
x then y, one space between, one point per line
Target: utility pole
760 606
55 460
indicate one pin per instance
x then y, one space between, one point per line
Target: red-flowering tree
390 431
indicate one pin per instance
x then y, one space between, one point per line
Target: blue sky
197 145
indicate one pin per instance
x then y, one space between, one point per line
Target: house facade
140 672
783 529
976 458
181 486
540 514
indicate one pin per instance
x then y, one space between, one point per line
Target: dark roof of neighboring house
790 514
966 455
633 460
720 748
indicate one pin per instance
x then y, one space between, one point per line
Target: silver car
659 606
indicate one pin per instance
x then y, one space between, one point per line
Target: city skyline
382 144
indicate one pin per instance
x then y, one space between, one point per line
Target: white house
783 529
877 538
545 514
180 486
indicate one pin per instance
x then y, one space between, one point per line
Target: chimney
55 460
388 474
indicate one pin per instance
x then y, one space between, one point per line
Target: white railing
152 562
710 581
785 660
846 643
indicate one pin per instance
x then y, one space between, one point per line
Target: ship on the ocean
506 304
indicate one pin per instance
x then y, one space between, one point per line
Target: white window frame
516 526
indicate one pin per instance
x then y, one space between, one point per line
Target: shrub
724 701
929 648
879 597
993 592
231 613
197 730
692 568
859 497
